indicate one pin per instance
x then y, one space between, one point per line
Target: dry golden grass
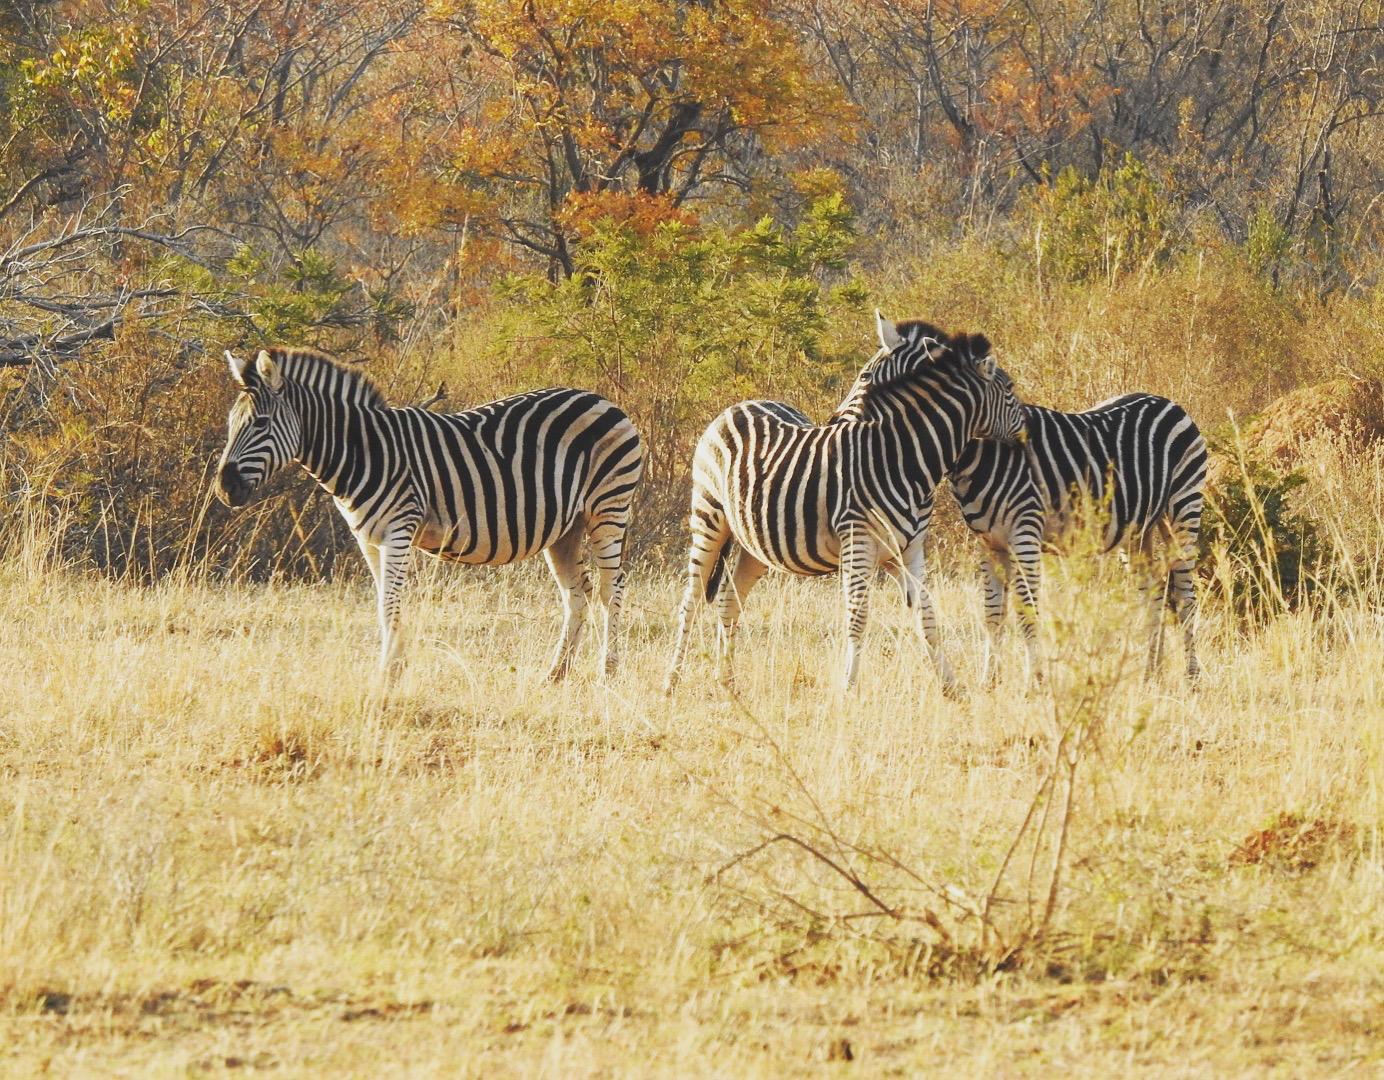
222 850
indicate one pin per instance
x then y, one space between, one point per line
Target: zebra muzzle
231 488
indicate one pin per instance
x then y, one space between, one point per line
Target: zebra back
1139 456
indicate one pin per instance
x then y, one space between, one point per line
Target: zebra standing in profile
495 484
851 495
1139 459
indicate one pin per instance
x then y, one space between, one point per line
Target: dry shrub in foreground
1012 907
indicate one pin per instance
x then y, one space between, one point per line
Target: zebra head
262 430
914 348
1001 414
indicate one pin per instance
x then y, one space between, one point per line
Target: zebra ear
977 348
269 371
889 336
238 368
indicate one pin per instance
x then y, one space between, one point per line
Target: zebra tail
718 571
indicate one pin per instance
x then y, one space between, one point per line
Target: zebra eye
260 422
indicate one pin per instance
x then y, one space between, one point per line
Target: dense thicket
678 203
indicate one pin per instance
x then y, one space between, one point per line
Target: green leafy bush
680 320
1271 557
1096 227
676 321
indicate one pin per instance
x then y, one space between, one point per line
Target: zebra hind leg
711 541
996 600
748 570
1182 597
608 551
569 571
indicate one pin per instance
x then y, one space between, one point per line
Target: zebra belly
458 544
825 560
785 535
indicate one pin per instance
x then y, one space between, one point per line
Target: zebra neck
920 442
341 443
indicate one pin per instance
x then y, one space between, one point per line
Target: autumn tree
1262 115
598 107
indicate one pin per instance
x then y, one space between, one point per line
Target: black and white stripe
1139 460
771 490
501 482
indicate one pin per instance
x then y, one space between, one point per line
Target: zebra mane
963 345
954 348
308 367
923 329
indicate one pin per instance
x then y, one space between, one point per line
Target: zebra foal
771 490
1139 458
502 482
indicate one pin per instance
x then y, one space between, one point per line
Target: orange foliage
640 212
593 99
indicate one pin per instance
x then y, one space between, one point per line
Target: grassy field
222 850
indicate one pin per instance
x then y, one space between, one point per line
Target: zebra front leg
1182 586
1024 572
858 558
1182 594
608 551
565 561
748 570
1155 595
371 553
391 572
925 616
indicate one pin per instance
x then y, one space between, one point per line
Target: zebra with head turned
1138 459
771 490
534 472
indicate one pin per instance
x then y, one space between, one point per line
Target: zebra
851 495
494 484
1138 457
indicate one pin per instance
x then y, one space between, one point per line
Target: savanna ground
223 849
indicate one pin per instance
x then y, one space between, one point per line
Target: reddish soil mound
1349 408
1293 843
